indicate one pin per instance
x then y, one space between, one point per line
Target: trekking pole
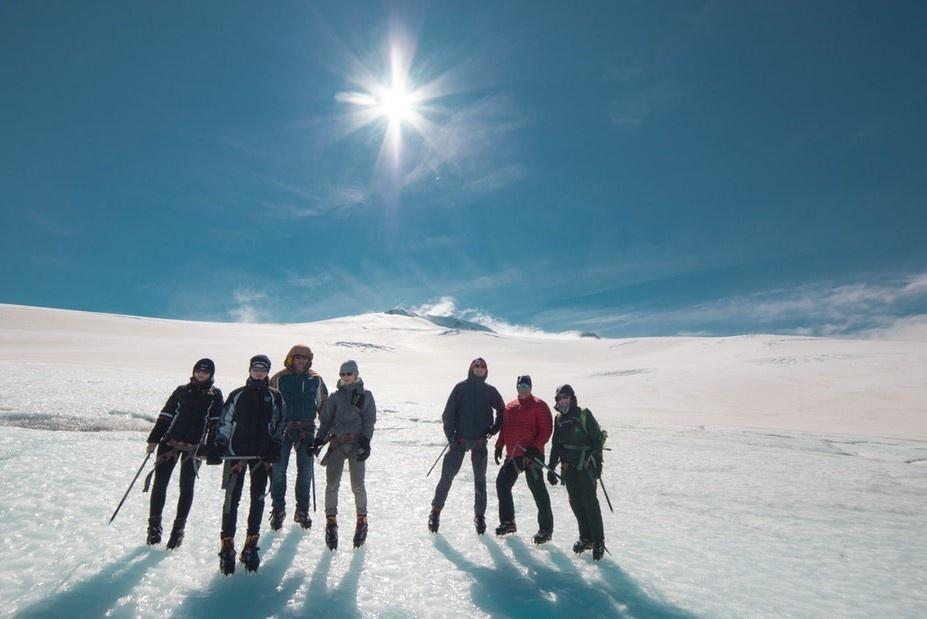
438 458
312 482
134 479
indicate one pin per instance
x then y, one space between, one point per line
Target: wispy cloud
822 309
248 306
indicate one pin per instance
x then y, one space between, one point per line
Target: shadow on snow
553 590
98 594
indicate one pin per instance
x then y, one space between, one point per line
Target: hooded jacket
252 419
187 414
527 423
468 412
349 410
303 393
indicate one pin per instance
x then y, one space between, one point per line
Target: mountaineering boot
276 518
434 520
480 523
154 531
581 545
505 528
331 532
542 536
176 537
598 550
360 532
227 556
301 516
249 554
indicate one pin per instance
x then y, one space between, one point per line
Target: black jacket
252 419
468 413
190 410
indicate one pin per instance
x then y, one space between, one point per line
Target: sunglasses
564 397
345 373
523 387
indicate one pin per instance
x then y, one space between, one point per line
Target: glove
313 448
552 478
363 448
531 453
598 468
497 455
273 452
150 447
215 452
488 432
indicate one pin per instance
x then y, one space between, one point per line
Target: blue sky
630 168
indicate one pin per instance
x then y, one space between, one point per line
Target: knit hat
261 361
205 364
348 367
566 390
522 381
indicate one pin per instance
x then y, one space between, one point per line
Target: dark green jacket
303 395
578 439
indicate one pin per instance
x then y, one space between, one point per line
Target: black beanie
523 380
261 360
567 390
205 364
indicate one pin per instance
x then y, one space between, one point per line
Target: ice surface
751 477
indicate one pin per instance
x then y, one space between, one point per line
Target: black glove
363 448
552 478
488 432
215 452
273 452
497 455
313 448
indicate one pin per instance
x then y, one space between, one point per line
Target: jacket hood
471 375
299 349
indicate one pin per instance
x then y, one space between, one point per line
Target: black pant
451 465
259 474
168 457
508 474
581 488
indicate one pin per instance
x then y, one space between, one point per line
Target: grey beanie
349 367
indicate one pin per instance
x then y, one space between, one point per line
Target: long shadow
338 601
98 594
546 591
619 590
243 594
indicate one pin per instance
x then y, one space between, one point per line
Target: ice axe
438 458
129 489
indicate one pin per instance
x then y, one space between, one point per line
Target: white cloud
447 306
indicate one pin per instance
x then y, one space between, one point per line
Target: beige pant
334 466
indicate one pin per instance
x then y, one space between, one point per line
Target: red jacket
526 423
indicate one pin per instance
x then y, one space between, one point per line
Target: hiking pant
304 472
162 476
334 467
451 465
236 483
508 474
581 488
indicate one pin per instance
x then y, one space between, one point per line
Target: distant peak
448 322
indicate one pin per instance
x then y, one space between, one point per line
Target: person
526 427
577 446
468 424
179 434
249 436
346 423
304 393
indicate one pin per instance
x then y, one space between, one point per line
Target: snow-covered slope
751 476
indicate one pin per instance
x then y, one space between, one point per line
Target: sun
396 104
